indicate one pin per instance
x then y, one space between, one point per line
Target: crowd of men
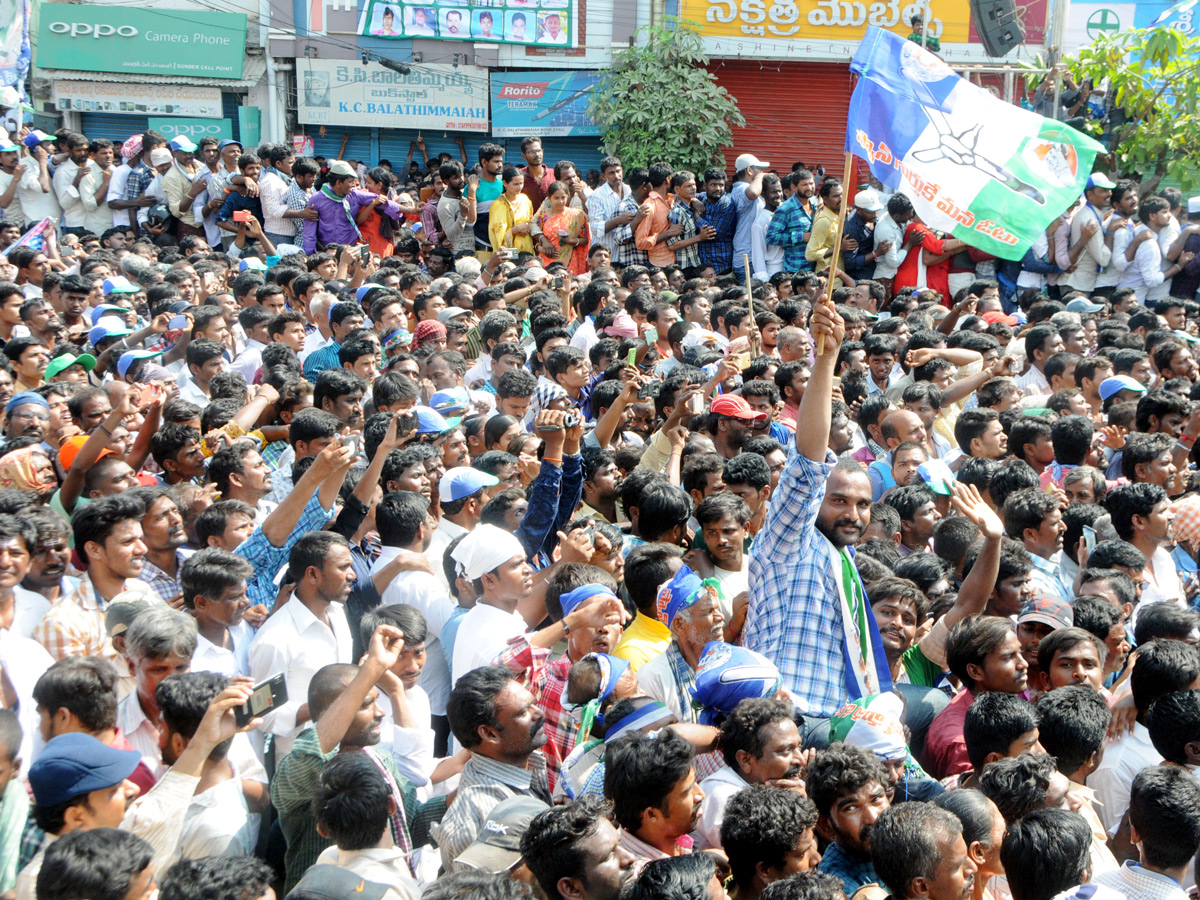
476 533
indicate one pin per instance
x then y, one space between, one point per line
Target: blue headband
571 600
653 713
25 397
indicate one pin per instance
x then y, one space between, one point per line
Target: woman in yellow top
511 213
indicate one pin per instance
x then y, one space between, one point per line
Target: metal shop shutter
794 111
357 147
113 126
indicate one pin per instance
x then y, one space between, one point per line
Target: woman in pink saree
566 231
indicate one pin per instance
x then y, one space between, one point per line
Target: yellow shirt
824 231
501 219
643 640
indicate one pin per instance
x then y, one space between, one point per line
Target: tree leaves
657 101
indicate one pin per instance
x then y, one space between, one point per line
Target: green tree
1153 79
658 102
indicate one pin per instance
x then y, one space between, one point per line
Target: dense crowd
473 532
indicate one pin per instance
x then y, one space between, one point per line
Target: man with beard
920 853
495 718
342 701
162 532
341 392
575 852
761 745
589 617
848 786
691 609
791 226
730 421
811 617
655 795
214 591
74 290
26 415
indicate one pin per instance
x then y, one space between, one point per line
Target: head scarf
681 592
132 147
544 394
611 671
652 714
872 723
484 550
622 326
570 601
429 330
727 675
17 470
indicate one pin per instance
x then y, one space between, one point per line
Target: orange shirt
648 230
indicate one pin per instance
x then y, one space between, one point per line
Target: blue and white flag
987 172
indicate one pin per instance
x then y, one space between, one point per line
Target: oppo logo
82 29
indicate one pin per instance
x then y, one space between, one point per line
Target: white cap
1193 205
868 200
160 156
746 160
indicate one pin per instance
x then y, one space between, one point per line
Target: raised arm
812 440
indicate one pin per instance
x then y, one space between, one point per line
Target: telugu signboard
141 41
548 24
545 103
340 92
137 99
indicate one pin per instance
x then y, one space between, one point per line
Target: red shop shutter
794 111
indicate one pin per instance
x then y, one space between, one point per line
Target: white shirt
658 680
481 637
141 733
886 229
1145 274
426 593
412 748
1033 382
1136 882
218 823
443 537
13 212
116 191
249 361
585 337
1163 585
24 661
1112 781
295 642
765 259
28 609
378 864
211 658
36 203
718 788
732 583
1117 265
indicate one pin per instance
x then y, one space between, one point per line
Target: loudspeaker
996 22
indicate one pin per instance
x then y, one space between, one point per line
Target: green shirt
292 794
919 668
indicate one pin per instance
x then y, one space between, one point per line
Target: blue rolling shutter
114 126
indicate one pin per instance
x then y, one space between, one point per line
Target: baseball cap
498 845
450 313
937 476
323 882
1185 337
77 763
70 449
59 363
463 481
341 168
735 407
36 137
1081 305
252 262
1118 383
430 421
746 160
1193 205
108 326
452 404
1099 180
869 200
119 284
183 144
128 359
107 309
362 291
7 146
120 615
727 675
160 156
225 143
997 316
1052 611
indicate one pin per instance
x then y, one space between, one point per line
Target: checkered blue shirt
718 253
268 559
140 177
787 229
795 619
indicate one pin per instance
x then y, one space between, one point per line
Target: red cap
996 316
735 407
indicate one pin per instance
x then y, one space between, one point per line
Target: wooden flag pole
835 261
755 334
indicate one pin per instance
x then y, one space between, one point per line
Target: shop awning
252 72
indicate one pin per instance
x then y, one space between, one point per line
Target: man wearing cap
178 184
26 415
729 424
859 263
36 190
497 850
1040 616
12 171
80 784
746 195
590 621
1097 250
336 204
463 492
81 184
141 174
124 213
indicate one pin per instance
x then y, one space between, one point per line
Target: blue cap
25 397
363 290
1118 383
430 421
100 311
119 284
727 675
77 763
129 358
463 481
573 599
452 404
108 326
685 589
252 262
183 144
225 143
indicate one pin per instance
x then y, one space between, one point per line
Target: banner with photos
544 23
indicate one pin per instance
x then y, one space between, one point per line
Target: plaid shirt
140 177
74 625
684 216
296 197
795 618
546 679
626 253
166 587
787 229
268 559
722 215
